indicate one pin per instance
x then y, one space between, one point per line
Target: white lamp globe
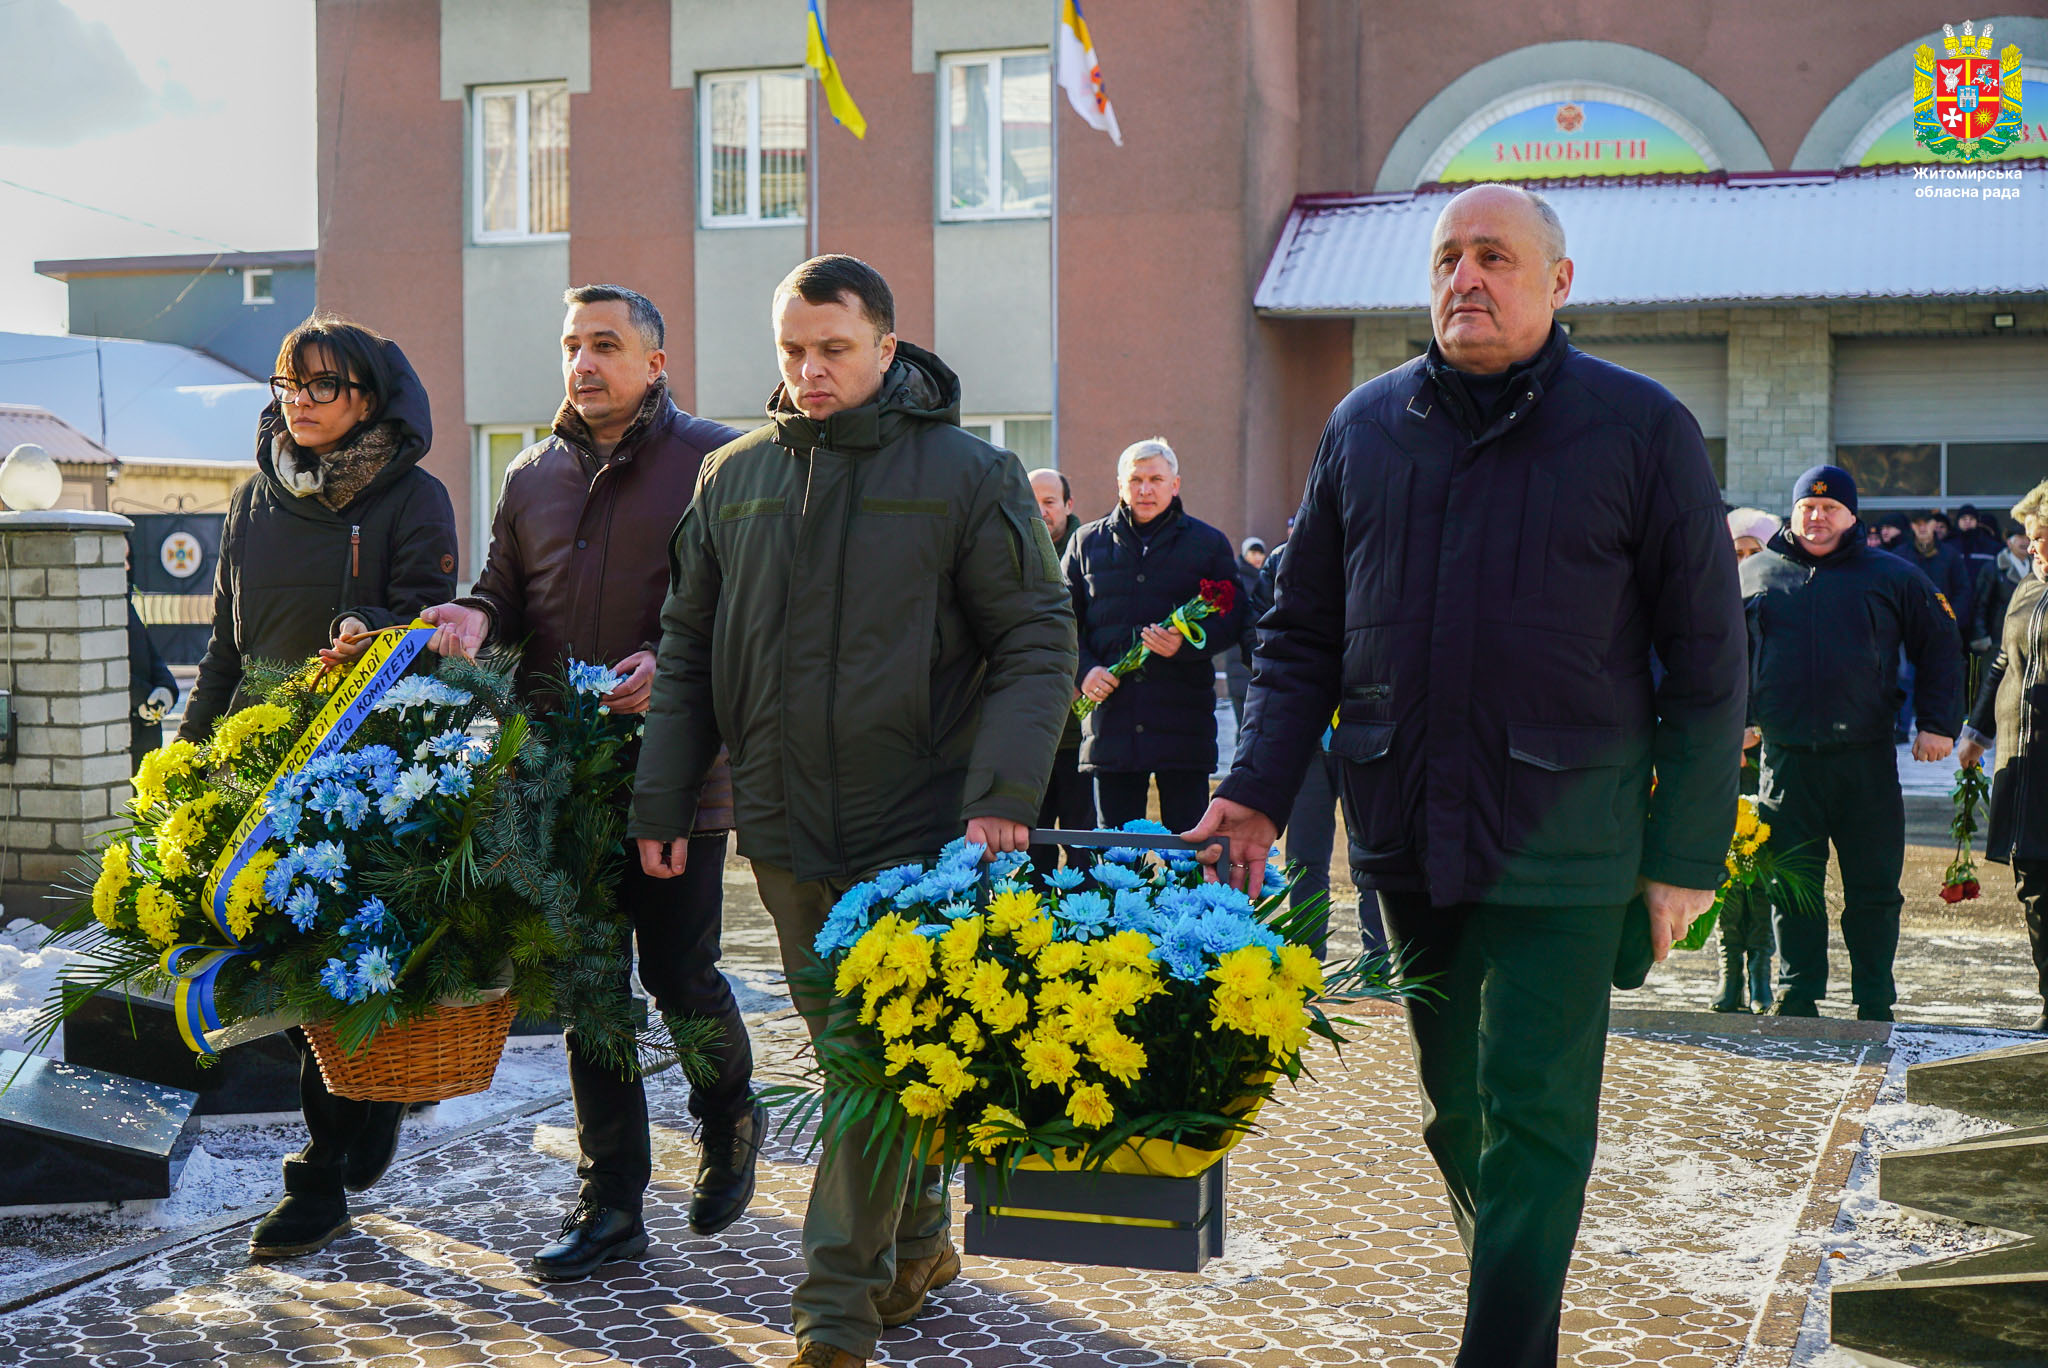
30 480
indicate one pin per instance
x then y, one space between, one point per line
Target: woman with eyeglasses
338 522
338 529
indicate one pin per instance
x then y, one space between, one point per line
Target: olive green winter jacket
866 610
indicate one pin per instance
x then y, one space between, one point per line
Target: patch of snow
1873 1237
28 976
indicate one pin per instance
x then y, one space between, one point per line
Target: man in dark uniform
1494 539
1827 617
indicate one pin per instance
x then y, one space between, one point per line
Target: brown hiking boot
915 1279
815 1354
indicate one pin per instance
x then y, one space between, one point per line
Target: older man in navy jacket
1494 539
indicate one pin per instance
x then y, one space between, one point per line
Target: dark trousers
1851 798
1311 836
677 924
1183 797
1510 1059
2032 878
1069 806
332 1123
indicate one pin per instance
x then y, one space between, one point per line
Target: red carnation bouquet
1959 881
1217 596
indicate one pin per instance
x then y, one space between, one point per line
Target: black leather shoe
591 1235
725 1173
371 1152
1791 1004
1875 1014
313 1214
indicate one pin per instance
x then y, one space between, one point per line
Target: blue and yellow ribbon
1189 628
391 652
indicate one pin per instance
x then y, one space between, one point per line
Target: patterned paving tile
1340 1248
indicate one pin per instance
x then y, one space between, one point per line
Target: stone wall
1780 365
64 658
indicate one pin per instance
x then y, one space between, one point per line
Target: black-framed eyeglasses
321 389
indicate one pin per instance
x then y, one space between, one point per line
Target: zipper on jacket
355 551
838 615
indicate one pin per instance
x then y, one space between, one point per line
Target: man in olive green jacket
856 589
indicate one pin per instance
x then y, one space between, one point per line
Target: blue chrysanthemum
277 881
455 781
1085 914
369 917
303 907
448 742
327 861
336 979
373 972
1116 877
414 783
353 807
1064 878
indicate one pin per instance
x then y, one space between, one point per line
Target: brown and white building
1743 205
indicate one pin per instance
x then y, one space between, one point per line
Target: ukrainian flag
818 57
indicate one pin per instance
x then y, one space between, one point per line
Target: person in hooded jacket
1828 622
2009 569
864 605
341 530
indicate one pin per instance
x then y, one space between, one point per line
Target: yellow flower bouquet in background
1750 863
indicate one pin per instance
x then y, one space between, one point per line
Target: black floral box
1114 1220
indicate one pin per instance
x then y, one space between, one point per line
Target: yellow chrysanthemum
245 893
909 957
957 947
1301 970
157 913
1049 1062
1083 1019
984 1136
1122 988
1010 909
1061 957
1245 971
1132 949
1088 1105
183 832
1035 935
897 1016
931 1010
986 986
967 1035
1232 1011
948 1071
237 731
1006 1013
899 1054
863 963
923 1101
115 876
153 776
1117 1055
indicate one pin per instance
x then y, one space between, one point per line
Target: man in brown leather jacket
578 567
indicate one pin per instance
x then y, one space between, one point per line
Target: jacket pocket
1371 788
1563 784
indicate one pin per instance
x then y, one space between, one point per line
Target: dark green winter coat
867 611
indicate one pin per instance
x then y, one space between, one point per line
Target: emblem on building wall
1966 105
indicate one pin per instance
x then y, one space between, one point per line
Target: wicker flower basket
449 1052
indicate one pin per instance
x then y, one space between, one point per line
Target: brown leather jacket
578 565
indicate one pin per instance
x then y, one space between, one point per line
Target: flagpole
1053 112
811 161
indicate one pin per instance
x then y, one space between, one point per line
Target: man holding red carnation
1127 574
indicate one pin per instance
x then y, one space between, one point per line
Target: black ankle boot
591 1235
370 1153
312 1215
725 1173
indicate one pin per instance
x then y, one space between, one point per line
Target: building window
1027 435
753 149
497 446
521 150
995 140
1895 475
256 288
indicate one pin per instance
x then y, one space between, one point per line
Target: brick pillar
1780 398
64 658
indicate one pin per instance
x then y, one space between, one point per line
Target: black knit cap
1826 482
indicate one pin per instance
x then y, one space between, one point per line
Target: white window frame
994 133
484 499
249 295
752 217
522 156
